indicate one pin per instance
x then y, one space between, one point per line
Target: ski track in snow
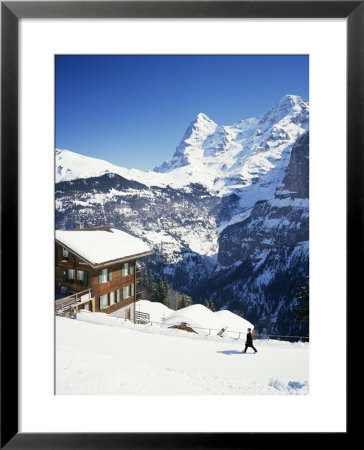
127 359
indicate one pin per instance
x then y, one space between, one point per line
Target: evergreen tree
211 305
150 282
148 285
159 290
154 297
184 301
166 291
301 310
158 294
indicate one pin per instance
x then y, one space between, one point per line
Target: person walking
249 342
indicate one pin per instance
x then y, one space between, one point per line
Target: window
65 252
112 298
131 268
80 276
104 301
85 278
102 276
126 292
124 269
71 275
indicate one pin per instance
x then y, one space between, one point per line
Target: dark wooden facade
114 285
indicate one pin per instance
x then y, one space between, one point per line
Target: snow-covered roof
157 311
197 317
98 246
233 321
204 321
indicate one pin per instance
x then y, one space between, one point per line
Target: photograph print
182 224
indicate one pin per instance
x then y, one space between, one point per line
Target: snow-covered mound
99 318
157 311
198 317
233 321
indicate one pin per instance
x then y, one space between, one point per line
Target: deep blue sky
133 110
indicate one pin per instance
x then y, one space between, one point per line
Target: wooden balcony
73 301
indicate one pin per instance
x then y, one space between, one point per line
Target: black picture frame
11 12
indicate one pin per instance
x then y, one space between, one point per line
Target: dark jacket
249 339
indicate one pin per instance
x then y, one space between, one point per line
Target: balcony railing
73 300
142 318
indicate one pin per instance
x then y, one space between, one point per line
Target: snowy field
99 354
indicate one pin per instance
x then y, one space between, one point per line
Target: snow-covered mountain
263 257
230 158
190 150
221 158
72 166
230 197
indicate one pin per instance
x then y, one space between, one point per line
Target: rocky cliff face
296 180
264 257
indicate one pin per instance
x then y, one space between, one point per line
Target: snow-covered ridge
222 158
71 166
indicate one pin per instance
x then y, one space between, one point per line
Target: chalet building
96 269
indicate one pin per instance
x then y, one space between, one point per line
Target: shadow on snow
233 352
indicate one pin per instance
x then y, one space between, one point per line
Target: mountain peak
202 117
190 147
201 121
288 106
290 101
204 137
